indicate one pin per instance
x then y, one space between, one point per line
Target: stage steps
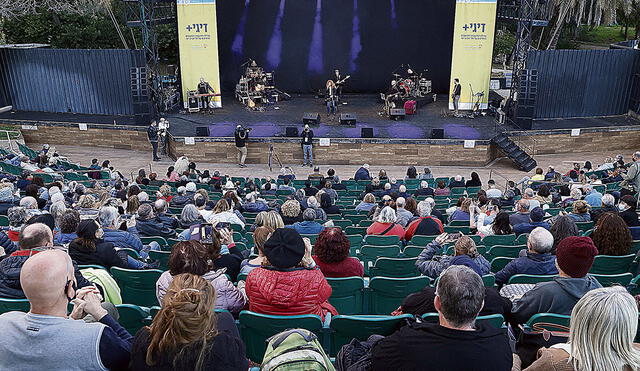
521 158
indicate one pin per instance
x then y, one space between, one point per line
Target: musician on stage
205 88
457 90
331 97
339 84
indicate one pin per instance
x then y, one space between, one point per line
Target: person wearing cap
288 283
574 258
536 217
362 173
627 210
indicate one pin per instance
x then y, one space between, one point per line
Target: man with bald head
34 238
47 337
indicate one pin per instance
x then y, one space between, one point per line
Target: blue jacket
154 227
362 174
255 207
64 238
432 265
123 239
539 264
468 262
594 198
308 227
528 227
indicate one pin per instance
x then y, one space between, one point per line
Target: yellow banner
473 36
198 44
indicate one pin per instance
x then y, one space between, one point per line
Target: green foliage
603 35
504 44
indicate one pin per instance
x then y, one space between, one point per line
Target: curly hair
611 235
332 246
290 209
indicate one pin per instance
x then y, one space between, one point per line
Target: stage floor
273 122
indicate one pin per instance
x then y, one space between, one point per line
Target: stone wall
95 135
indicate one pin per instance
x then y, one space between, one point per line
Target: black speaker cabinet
396 114
348 119
437 133
202 131
311 118
291 131
366 133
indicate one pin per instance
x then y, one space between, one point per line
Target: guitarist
331 97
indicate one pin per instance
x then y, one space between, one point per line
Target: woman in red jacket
332 255
386 224
288 283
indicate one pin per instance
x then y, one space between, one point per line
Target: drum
243 85
268 79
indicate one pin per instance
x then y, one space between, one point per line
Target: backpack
295 350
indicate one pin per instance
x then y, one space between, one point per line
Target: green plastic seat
607 264
355 240
355 219
343 223
162 256
362 231
493 320
548 321
4 221
311 237
419 240
10 305
489 280
530 278
131 252
458 223
412 251
506 251
368 254
394 267
498 263
365 223
381 240
506 239
346 328
522 239
133 317
137 286
584 226
387 293
472 191
256 328
160 240
622 279
347 294
453 229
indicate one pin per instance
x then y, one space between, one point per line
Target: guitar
341 82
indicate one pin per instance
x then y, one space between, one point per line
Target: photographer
307 146
241 136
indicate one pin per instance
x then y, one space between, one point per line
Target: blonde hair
87 202
291 208
603 326
165 190
465 205
466 246
273 220
187 318
133 203
221 206
369 198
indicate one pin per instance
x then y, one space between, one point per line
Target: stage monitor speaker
437 133
366 133
397 114
202 131
291 131
347 119
311 118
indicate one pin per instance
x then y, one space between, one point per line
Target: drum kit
256 88
414 86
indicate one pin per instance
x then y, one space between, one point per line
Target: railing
16 134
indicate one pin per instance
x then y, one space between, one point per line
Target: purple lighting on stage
315 63
275 44
356 46
394 19
238 40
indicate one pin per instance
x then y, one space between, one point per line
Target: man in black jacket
152 134
241 135
456 343
307 146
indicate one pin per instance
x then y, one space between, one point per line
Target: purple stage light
275 44
394 19
238 40
356 46
316 63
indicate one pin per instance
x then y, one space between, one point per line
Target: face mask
622 207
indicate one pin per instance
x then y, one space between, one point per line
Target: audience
538 261
425 225
90 249
332 255
611 235
386 225
186 334
308 225
288 283
627 207
260 236
536 219
465 253
68 224
456 342
564 226
522 213
49 337
500 225
291 212
580 212
574 257
367 203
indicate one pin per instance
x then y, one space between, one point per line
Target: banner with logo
473 35
198 46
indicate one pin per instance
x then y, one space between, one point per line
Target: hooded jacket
558 296
292 292
154 227
180 201
432 265
362 174
228 297
539 264
429 346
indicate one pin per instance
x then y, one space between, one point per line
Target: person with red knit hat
574 258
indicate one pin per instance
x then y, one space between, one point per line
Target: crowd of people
56 230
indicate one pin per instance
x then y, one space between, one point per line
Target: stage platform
273 122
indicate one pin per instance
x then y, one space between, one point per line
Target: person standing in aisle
307 146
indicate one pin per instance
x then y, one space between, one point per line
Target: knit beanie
575 255
536 215
285 248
